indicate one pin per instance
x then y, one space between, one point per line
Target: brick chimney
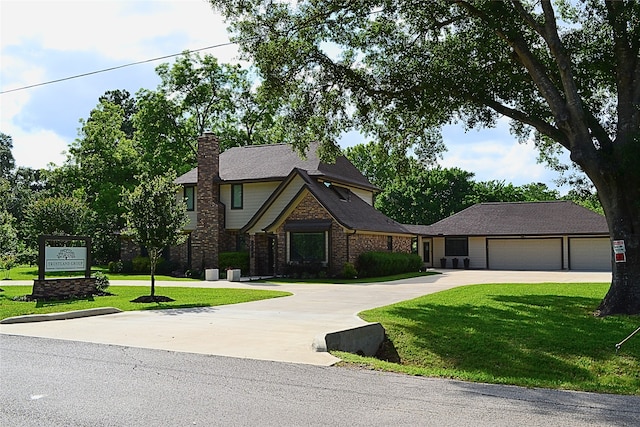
207 233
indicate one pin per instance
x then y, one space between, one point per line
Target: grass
31 272
352 281
184 298
541 335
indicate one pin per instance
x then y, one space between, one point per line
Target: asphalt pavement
280 329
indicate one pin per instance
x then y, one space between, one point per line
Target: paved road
48 382
280 329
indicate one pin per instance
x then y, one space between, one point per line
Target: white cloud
38 148
497 160
116 29
35 35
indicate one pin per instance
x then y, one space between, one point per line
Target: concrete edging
60 316
364 340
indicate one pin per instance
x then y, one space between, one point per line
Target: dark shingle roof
522 218
275 162
350 210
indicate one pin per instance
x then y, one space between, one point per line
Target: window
308 247
390 243
189 197
456 246
236 196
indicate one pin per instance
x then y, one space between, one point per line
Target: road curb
60 316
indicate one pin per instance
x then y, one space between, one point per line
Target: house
284 209
555 235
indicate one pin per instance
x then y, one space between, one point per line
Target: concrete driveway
280 329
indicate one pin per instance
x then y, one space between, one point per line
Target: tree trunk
622 209
153 260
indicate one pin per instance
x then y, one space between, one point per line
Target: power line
115 68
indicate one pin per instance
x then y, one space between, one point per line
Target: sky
46 40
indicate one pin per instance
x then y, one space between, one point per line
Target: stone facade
343 246
205 238
63 288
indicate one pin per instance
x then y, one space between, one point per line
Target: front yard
540 335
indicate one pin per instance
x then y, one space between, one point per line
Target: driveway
280 329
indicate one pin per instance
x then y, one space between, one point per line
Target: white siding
253 197
477 252
525 254
365 195
590 253
278 205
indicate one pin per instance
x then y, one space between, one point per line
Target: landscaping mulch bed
155 298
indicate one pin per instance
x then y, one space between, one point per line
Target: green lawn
31 272
542 335
184 298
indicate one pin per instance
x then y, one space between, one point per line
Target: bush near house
234 260
378 264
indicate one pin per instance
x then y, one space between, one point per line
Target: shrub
141 264
234 260
115 267
305 270
349 271
127 267
102 281
378 264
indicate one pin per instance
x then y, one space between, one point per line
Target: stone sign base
64 288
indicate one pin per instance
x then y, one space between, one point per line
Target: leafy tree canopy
566 73
7 162
154 219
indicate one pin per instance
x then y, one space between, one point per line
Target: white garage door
525 254
593 253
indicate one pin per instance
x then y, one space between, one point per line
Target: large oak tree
567 73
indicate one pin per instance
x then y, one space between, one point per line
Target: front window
456 246
236 196
189 197
308 247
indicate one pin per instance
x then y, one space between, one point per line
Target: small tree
154 217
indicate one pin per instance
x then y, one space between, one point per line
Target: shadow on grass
61 302
530 336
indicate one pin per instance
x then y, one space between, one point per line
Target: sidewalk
280 329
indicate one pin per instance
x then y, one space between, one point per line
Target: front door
426 253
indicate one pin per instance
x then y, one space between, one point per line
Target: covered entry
524 254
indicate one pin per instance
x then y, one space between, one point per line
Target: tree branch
540 125
628 71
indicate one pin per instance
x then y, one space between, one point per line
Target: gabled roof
349 210
274 162
521 218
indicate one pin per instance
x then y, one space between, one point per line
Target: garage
524 254
590 253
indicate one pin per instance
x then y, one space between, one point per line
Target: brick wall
63 288
128 250
204 252
341 244
310 209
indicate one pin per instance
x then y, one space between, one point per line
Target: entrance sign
65 259
619 251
